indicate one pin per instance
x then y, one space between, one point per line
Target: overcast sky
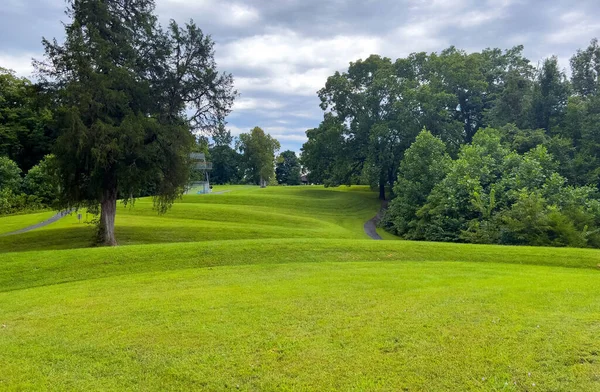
281 52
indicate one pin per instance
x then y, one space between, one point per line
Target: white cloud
293 82
227 13
291 63
21 63
289 137
249 103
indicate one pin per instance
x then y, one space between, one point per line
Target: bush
10 176
492 194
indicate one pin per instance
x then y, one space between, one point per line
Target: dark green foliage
549 96
585 67
424 164
222 136
287 169
10 175
42 181
376 109
226 160
123 86
491 194
226 165
525 142
323 154
12 199
25 131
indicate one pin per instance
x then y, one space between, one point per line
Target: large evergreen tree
123 87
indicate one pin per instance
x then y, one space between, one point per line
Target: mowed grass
12 223
241 213
279 289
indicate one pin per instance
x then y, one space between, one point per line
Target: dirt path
371 225
53 219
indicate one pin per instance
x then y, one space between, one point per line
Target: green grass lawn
280 289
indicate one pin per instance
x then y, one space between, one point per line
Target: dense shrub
491 193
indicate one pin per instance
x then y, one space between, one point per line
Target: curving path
371 225
53 219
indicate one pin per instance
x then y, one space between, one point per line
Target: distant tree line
479 147
251 158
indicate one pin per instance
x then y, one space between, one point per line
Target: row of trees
252 160
374 112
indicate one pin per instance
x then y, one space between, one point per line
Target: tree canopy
26 132
129 96
258 156
288 169
510 153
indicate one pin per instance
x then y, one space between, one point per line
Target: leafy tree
550 95
258 156
324 154
12 199
491 194
25 132
123 88
424 164
288 168
222 136
381 106
531 221
585 66
468 191
42 181
226 165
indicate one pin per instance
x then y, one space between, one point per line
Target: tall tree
324 154
222 136
425 163
288 168
123 86
585 66
258 155
225 165
550 95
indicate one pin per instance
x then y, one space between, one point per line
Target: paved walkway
53 219
371 225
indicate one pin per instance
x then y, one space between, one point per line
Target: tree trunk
108 211
391 181
381 190
263 183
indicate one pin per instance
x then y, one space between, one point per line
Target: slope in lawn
279 289
243 213
351 326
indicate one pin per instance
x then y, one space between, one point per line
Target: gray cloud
281 52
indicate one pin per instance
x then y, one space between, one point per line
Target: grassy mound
280 289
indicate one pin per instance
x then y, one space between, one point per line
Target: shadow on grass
54 239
